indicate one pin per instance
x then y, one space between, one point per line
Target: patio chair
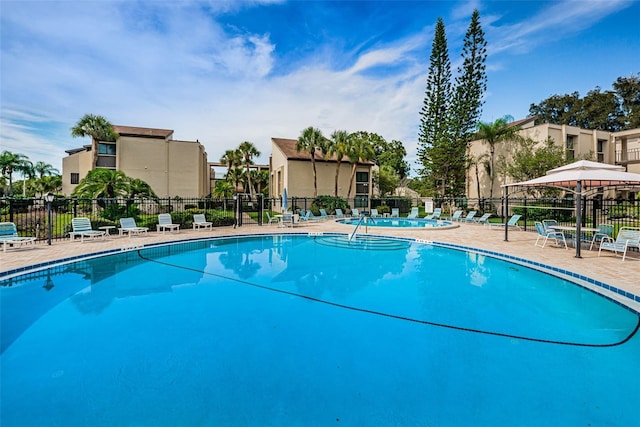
165 223
355 213
289 219
395 212
272 219
513 222
435 214
128 226
604 230
456 216
628 237
469 217
339 213
484 219
9 237
545 235
374 213
200 221
324 215
413 213
81 226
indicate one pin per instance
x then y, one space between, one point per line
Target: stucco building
292 170
622 148
171 167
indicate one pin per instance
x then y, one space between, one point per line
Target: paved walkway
608 269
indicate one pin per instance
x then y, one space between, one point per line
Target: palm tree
28 173
139 188
310 140
10 163
47 184
98 128
235 175
248 151
359 150
493 133
42 169
103 183
337 146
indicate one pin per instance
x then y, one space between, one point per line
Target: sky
224 72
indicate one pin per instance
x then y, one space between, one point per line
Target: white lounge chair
546 234
289 219
456 216
513 222
339 213
324 215
128 226
270 219
484 219
435 214
166 223
604 230
355 213
199 221
395 212
9 237
82 227
628 237
469 217
374 213
413 213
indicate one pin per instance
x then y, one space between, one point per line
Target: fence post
525 212
260 199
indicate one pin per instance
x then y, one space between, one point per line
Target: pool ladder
363 217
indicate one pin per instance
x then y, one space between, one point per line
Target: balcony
628 156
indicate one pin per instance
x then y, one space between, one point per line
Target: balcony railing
628 156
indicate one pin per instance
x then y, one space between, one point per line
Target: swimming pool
299 330
399 222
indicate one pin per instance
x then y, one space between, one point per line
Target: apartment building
291 169
171 167
622 148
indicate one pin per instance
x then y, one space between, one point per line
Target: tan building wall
577 143
171 167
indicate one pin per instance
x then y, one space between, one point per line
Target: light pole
49 199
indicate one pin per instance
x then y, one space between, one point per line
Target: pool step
362 242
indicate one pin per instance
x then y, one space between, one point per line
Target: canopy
579 175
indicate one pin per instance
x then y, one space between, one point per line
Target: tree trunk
337 175
353 174
315 180
493 149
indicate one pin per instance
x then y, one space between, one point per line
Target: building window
362 183
75 178
601 145
570 149
108 149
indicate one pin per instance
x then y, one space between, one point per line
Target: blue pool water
398 222
298 331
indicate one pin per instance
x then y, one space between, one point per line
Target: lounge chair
413 213
628 237
484 219
270 219
81 226
604 230
435 214
289 219
9 237
128 226
339 213
374 213
456 216
200 221
513 222
355 213
546 234
323 214
165 223
469 217
395 212
310 216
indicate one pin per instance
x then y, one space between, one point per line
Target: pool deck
608 268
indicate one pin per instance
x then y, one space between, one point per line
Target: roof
143 132
288 148
78 150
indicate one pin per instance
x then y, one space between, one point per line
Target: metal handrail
362 217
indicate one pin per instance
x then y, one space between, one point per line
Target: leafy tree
391 154
48 184
476 163
43 169
223 190
433 132
360 150
10 163
386 180
466 108
235 175
338 146
98 128
28 173
557 109
310 140
247 152
599 110
530 161
494 133
628 92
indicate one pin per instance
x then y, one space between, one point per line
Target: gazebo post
578 218
506 213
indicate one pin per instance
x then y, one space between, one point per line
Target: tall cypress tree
466 109
433 133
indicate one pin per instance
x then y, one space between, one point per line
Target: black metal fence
31 214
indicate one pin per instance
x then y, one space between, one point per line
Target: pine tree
466 109
433 134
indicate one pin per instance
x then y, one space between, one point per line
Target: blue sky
224 72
